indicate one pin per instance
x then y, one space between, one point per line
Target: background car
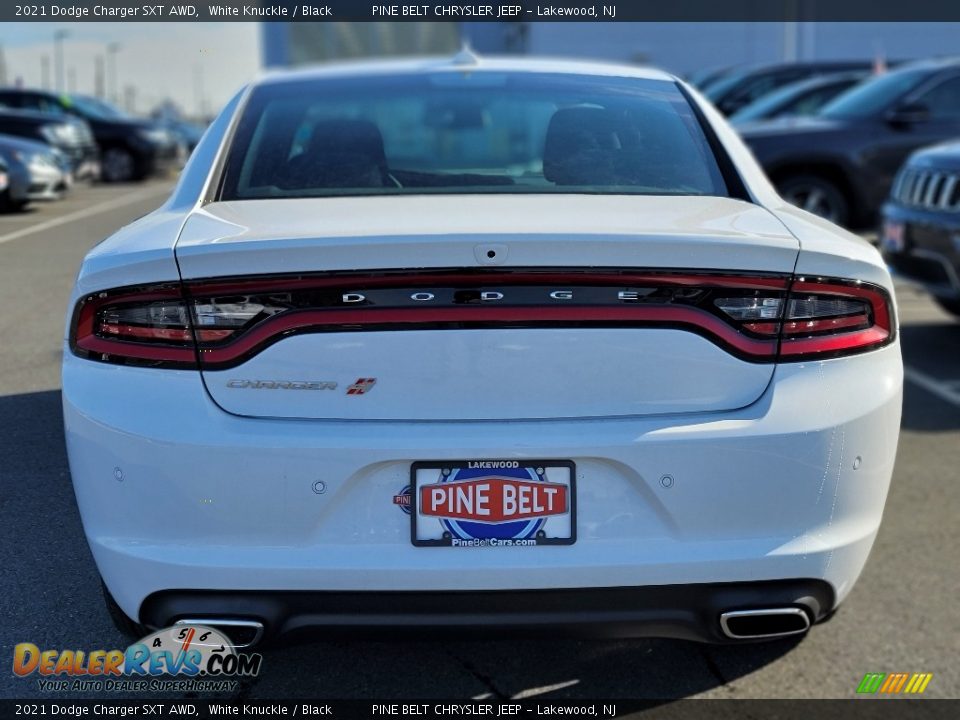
840 164
130 148
70 136
920 236
14 186
187 133
703 79
46 177
614 303
799 99
741 87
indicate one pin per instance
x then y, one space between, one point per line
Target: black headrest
575 137
341 137
341 153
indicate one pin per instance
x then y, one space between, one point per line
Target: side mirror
909 114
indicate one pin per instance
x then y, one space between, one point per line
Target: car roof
461 62
838 65
939 63
33 91
24 143
31 115
818 81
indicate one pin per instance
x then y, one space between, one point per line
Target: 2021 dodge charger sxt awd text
497 343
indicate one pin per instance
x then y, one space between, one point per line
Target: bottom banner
447 709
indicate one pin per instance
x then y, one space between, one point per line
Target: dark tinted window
40 103
875 95
942 100
469 132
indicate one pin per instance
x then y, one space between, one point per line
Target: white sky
161 60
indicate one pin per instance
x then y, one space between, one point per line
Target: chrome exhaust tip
242 633
767 623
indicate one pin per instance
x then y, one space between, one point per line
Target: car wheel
951 305
817 195
7 205
117 165
123 624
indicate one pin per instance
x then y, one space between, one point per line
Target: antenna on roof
466 56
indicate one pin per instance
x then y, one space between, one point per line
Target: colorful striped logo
894 683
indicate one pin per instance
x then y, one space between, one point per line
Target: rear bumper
176 494
688 612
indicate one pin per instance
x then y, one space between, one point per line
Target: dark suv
130 148
739 88
920 237
841 163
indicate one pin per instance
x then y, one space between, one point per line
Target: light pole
58 38
112 50
99 88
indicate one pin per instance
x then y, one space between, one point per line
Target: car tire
118 165
124 625
817 195
951 305
11 206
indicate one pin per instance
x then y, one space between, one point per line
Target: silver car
35 171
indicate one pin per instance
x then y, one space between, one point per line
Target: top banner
514 11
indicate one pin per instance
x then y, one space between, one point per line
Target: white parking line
85 212
943 389
533 692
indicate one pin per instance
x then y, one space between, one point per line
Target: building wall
685 47
304 43
678 47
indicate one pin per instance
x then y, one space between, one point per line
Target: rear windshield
469 132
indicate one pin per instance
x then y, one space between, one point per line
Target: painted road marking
944 389
84 213
533 692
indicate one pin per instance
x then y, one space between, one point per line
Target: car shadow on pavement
499 669
50 596
930 351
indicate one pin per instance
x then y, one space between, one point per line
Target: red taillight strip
817 325
854 342
185 356
169 334
402 318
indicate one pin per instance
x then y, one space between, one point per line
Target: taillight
219 324
819 318
135 326
828 318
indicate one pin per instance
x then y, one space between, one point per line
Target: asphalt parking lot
903 615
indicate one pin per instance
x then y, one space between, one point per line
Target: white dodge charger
492 343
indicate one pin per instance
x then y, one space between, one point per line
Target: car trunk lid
484 307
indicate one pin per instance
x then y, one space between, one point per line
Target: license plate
894 237
493 503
